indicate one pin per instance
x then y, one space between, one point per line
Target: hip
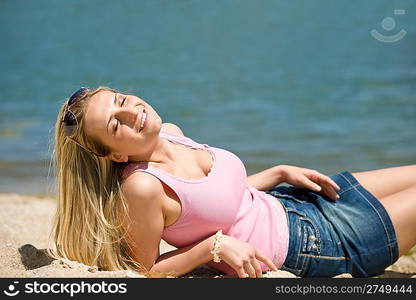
351 235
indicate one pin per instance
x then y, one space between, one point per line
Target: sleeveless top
222 200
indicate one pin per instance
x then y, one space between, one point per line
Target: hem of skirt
379 209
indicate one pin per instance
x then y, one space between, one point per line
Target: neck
163 152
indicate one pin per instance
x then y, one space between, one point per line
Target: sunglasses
70 120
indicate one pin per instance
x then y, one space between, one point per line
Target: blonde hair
88 226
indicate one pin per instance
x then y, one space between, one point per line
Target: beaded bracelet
216 248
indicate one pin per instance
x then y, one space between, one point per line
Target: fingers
257 267
332 183
313 186
329 191
267 261
327 179
250 269
324 189
326 185
241 272
246 271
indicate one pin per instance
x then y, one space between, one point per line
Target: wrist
216 246
280 172
208 247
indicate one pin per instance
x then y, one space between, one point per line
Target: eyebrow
114 103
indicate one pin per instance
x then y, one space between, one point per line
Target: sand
25 222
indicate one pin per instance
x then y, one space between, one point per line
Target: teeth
143 119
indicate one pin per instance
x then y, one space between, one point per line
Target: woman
126 180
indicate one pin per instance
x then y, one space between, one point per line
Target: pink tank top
222 200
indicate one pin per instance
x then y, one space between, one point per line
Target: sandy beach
24 230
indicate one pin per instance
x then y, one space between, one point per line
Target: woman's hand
310 179
243 257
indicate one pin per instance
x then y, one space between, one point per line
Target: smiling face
125 123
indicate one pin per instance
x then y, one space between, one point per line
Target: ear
117 157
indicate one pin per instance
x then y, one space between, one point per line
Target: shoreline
24 231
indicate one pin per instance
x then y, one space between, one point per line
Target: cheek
127 139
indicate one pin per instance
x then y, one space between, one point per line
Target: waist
263 224
282 234
259 219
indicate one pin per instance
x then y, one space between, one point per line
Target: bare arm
145 220
267 179
239 255
297 176
144 195
186 259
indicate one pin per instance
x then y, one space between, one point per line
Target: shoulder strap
132 167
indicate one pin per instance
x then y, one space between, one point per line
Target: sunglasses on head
70 120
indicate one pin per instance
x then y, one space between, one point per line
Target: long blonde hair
88 226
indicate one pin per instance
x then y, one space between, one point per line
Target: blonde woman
127 181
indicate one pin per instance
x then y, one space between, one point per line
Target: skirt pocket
315 249
310 237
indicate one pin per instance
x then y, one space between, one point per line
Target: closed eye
124 100
116 126
117 121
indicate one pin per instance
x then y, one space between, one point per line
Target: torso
190 164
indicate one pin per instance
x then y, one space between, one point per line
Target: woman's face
125 123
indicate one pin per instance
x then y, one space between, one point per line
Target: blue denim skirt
353 234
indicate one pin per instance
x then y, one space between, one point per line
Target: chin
157 125
159 122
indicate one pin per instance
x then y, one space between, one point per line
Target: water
276 82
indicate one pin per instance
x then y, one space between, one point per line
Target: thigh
401 208
355 227
387 181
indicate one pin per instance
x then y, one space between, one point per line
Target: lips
143 120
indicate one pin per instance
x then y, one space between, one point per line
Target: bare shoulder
142 186
172 128
144 193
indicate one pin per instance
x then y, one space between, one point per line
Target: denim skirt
353 234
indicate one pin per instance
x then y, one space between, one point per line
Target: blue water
276 82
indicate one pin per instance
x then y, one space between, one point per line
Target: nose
127 115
